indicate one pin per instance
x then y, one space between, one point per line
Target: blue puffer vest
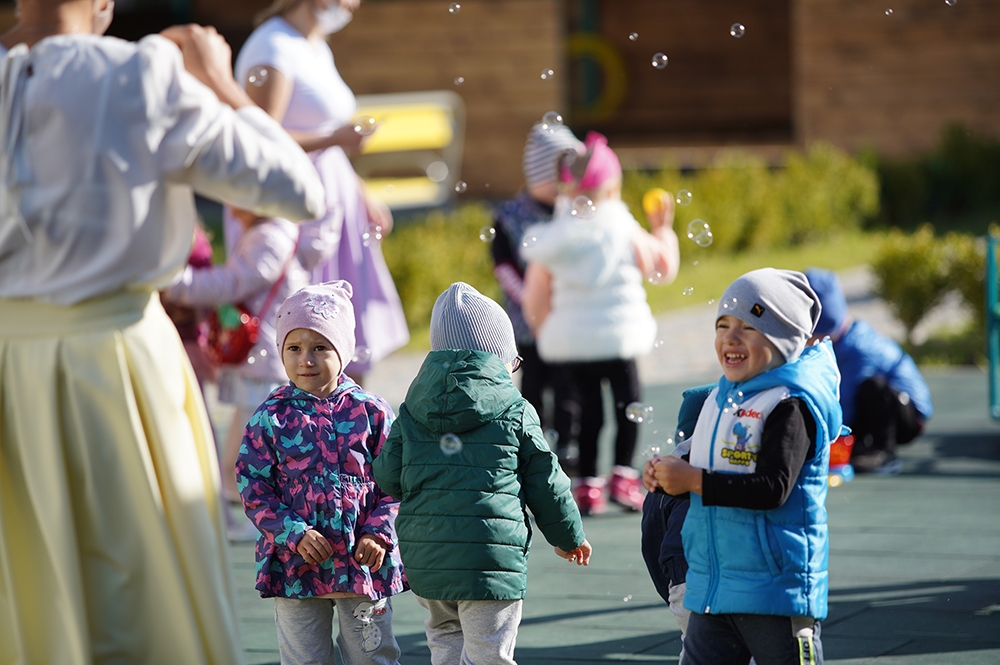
743 561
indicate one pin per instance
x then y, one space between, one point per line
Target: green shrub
426 256
914 272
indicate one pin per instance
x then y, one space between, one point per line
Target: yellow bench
414 157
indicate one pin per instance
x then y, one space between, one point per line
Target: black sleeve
787 442
502 248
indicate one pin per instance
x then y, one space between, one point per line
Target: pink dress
322 102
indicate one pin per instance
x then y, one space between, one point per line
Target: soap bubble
950 3
627 598
688 290
454 8
699 231
656 277
451 444
694 263
547 74
730 304
251 360
372 235
551 122
552 437
529 241
659 61
638 412
737 30
263 353
257 76
364 125
633 36
436 171
888 12
680 435
459 80
583 208
361 354
461 187
487 234
658 343
683 197
652 451
711 301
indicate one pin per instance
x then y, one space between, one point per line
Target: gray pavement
914 563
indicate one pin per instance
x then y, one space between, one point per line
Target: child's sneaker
626 488
589 495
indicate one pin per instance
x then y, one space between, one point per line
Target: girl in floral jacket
327 533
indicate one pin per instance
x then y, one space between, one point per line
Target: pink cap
324 308
601 162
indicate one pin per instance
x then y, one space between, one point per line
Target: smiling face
311 362
743 351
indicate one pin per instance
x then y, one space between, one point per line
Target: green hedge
748 205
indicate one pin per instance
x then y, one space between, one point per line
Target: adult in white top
112 545
288 69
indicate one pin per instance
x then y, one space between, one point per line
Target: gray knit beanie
778 303
543 150
463 318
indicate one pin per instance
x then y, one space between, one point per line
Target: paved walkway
914 565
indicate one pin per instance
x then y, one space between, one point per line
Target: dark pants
731 639
883 418
586 378
537 376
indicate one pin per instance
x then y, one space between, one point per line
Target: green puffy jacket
463 525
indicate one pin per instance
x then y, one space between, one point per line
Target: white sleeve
243 157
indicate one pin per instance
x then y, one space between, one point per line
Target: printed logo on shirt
736 452
748 413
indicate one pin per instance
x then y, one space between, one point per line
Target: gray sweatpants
472 632
305 631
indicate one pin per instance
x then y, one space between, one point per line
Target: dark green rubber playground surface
914 563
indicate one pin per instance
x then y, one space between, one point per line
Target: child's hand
676 476
314 547
659 208
648 477
370 551
580 556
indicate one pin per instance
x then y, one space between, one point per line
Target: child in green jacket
465 457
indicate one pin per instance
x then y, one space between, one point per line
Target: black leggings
586 378
536 376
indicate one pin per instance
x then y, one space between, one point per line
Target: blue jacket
862 353
769 561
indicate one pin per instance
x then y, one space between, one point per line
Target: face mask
333 18
102 17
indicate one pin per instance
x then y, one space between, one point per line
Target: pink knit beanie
595 168
324 308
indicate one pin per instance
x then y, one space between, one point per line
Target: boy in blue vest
755 536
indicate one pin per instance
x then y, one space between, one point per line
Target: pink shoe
626 488
589 495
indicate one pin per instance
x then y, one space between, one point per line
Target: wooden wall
499 47
863 78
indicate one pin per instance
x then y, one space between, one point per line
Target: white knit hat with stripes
543 149
463 318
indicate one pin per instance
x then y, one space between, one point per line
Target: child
467 457
327 536
584 296
534 205
755 536
885 399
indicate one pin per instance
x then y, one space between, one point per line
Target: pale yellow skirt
112 545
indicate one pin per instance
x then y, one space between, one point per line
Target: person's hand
314 547
379 213
208 57
648 477
676 476
661 213
348 139
580 556
370 551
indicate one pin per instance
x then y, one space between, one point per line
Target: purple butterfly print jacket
306 463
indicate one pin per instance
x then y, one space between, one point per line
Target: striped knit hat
542 152
463 318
